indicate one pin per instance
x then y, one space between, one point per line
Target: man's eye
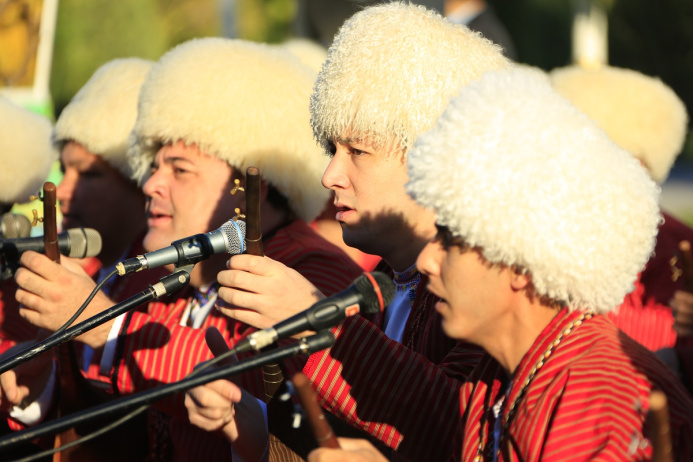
331 148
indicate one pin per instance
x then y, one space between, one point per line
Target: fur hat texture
101 115
390 72
519 173
309 52
245 103
26 150
640 113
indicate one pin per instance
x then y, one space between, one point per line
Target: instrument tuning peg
36 220
238 214
237 187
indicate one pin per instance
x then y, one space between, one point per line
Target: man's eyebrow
177 158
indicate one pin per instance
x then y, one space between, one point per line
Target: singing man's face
187 193
473 292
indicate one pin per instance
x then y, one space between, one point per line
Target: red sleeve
13 328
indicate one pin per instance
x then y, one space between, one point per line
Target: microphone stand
166 285
310 344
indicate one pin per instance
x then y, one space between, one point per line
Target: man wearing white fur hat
388 76
644 116
209 109
96 192
526 267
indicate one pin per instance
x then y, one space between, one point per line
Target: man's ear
518 280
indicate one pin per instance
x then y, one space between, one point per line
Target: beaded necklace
532 374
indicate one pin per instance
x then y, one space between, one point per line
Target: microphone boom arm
166 285
311 344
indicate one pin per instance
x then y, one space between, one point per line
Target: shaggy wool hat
516 171
245 103
640 113
101 115
310 53
390 72
26 150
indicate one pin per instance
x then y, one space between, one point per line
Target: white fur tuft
515 170
245 103
26 150
390 72
101 115
640 113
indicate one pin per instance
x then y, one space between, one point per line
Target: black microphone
229 238
14 225
370 293
75 243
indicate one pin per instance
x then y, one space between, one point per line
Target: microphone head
84 242
377 291
234 236
14 225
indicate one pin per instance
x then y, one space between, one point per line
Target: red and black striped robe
404 394
153 348
588 401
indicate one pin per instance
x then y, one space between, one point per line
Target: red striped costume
153 348
645 314
13 328
587 402
404 394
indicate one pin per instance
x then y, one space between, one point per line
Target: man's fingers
39 264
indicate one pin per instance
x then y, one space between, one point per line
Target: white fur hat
640 113
101 115
26 150
310 53
390 72
245 103
515 170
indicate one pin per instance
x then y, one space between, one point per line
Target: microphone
369 293
14 225
229 238
75 243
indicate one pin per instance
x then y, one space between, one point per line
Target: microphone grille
377 290
234 230
84 242
14 225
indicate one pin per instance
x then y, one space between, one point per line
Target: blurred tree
92 32
265 20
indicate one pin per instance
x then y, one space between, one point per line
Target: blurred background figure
646 118
92 136
26 156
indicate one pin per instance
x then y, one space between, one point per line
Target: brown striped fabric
154 349
404 394
588 401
